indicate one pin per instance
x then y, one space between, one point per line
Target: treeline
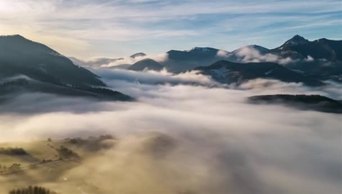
32 190
13 151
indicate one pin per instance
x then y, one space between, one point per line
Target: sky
117 28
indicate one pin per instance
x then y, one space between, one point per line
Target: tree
32 190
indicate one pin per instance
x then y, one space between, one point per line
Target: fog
123 77
188 138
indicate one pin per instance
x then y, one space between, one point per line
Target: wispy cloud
154 25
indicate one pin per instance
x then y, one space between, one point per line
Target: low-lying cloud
121 63
250 54
192 139
115 77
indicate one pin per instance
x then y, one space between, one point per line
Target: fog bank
190 139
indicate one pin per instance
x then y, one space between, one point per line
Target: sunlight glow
5 6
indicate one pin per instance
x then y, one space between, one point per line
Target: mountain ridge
22 57
320 59
230 72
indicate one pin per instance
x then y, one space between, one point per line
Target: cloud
122 62
269 86
191 139
115 77
183 24
222 53
103 62
252 54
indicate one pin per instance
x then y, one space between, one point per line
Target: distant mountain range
31 67
27 66
297 60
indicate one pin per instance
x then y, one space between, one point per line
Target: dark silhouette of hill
304 102
27 66
229 73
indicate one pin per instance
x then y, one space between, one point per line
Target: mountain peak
140 54
146 64
20 44
254 47
14 37
296 40
202 49
298 37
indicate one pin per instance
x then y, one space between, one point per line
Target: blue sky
91 28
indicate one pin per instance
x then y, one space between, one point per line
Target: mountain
250 53
320 58
260 49
197 53
314 60
179 61
30 66
229 72
295 41
304 102
146 64
19 56
297 49
137 55
320 69
321 49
